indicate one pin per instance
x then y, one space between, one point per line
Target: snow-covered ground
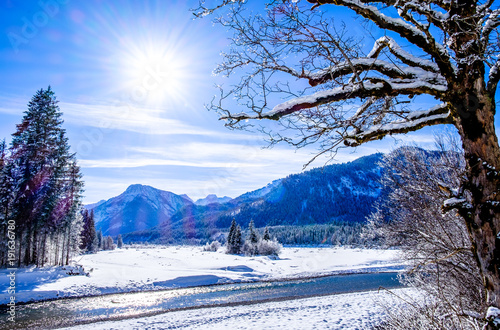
344 311
150 268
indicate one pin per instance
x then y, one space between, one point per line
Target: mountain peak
211 199
140 207
138 188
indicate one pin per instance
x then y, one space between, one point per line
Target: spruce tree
110 244
119 241
237 241
100 240
44 185
230 237
84 234
253 237
267 236
88 233
94 246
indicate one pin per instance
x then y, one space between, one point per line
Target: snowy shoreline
170 267
285 279
358 310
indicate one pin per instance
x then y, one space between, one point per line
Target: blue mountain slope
139 207
331 194
341 192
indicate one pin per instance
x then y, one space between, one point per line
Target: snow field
159 267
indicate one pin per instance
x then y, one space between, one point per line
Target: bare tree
446 49
436 246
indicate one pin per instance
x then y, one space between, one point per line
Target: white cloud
13 106
141 120
202 154
140 162
128 118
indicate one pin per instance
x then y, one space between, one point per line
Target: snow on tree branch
379 88
494 76
402 55
365 64
491 24
436 115
411 33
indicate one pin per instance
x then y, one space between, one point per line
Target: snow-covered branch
365 64
494 77
402 55
437 115
379 89
405 30
433 16
491 24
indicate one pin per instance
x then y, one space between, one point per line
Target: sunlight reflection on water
72 311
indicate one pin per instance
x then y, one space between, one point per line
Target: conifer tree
100 240
237 242
88 232
119 241
109 243
231 236
267 236
253 237
85 216
41 185
94 247
252 240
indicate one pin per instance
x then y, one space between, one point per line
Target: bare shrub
436 245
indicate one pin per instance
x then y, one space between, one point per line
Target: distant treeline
339 233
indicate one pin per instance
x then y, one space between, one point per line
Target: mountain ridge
317 196
139 207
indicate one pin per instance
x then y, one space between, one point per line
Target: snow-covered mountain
340 192
212 199
94 205
331 194
139 207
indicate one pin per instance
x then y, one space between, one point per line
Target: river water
66 312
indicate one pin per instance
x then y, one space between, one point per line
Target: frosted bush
262 247
268 247
249 248
212 247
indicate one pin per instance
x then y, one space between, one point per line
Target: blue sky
132 78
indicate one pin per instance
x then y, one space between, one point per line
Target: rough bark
481 189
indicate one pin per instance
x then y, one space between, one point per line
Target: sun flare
156 74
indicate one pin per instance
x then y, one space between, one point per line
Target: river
66 312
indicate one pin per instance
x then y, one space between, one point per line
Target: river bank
116 307
162 267
362 310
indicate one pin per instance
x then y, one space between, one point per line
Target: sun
156 74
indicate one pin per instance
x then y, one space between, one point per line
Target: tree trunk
44 247
34 256
27 253
63 248
19 251
68 246
54 239
481 187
